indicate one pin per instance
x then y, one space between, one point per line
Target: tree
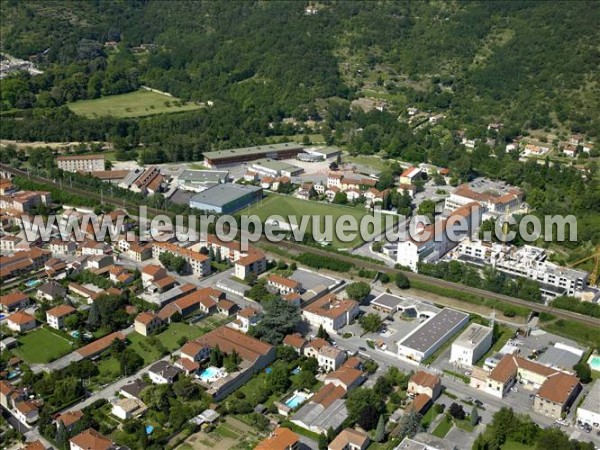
409 425
279 319
457 411
130 362
93 319
72 321
305 380
370 323
216 357
368 417
474 416
321 333
61 435
386 180
401 281
340 198
583 371
279 377
323 443
380 430
358 291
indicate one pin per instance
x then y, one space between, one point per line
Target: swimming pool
2 316
211 374
75 334
149 429
295 400
594 362
32 283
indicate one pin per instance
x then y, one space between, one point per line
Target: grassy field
442 429
168 338
42 346
374 162
133 104
171 335
290 206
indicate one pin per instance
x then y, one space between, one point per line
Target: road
123 203
112 389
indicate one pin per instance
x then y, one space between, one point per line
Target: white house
56 316
161 372
589 411
128 408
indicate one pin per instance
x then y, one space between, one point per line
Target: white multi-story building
81 163
494 202
527 262
437 239
589 411
471 345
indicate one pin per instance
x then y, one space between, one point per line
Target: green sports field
133 104
289 206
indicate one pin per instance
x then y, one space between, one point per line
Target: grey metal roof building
424 340
238 155
226 198
201 177
317 418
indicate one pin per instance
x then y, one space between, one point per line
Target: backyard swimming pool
211 374
297 399
594 362
32 283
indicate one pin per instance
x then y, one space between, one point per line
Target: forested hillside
530 64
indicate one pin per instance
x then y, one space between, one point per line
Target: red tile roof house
255 354
203 300
69 419
26 412
296 341
21 321
12 301
56 316
151 273
90 439
425 383
147 322
283 285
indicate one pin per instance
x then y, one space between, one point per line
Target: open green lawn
133 104
109 369
290 206
374 162
140 345
42 346
429 417
175 331
442 429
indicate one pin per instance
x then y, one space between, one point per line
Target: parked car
478 402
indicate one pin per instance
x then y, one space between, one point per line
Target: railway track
559 313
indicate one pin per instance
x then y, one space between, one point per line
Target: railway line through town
295 247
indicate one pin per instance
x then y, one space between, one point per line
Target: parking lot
310 279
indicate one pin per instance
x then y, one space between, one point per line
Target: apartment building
56 316
81 163
197 263
471 345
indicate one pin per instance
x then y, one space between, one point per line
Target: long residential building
526 262
81 163
494 202
198 264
